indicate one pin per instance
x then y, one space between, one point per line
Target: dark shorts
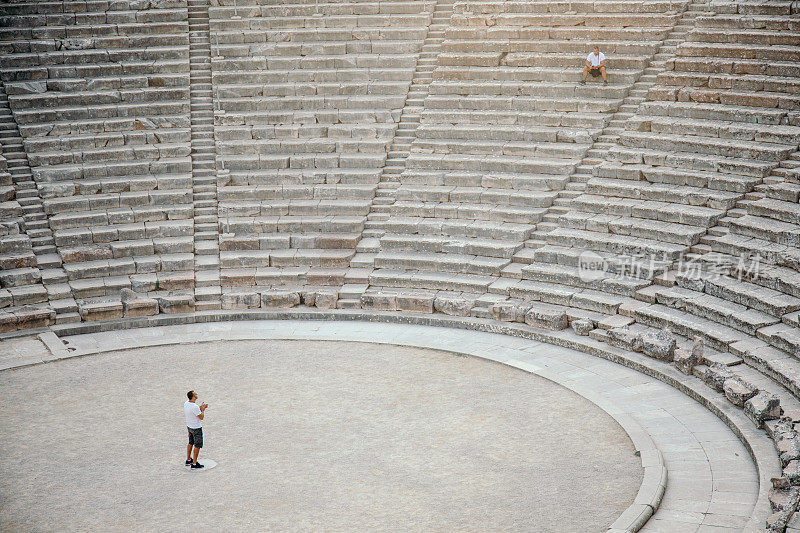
595 71
196 437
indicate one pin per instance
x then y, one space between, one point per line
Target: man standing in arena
595 65
194 423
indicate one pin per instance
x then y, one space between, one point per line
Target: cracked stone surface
346 436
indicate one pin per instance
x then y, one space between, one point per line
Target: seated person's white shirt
594 60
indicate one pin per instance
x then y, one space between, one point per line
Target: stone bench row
719 112
291 257
544 150
613 47
172 39
489 163
525 90
61 99
765 52
78 6
227 191
316 35
95 18
654 210
127 266
490 212
248 89
308 9
645 228
328 176
588 19
94 113
567 122
300 117
107 139
330 132
127 215
95 56
307 103
580 6
121 68
480 131
690 160
318 146
301 161
282 241
750 83
519 74
103 83
360 61
318 48
746 132
756 22
258 224
330 21
768 100
130 167
402 236
267 208
559 33
234 78
501 58
743 36
684 181
664 139
521 103
515 181
73 35
114 185
474 195
156 151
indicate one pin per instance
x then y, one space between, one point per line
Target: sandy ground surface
308 436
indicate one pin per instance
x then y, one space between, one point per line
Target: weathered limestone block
777 521
137 305
738 391
762 407
279 299
8 322
547 316
29 317
453 305
788 448
508 311
415 302
90 311
308 297
792 472
716 375
658 345
784 499
176 303
326 299
685 361
379 301
625 338
582 326
81 254
240 300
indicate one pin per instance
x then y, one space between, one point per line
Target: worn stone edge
761 451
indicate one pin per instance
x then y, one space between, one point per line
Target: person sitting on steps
595 65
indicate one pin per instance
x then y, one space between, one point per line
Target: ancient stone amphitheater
423 162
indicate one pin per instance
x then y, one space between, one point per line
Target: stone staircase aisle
203 153
610 134
36 226
407 126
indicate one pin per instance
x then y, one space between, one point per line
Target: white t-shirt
595 60
191 410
